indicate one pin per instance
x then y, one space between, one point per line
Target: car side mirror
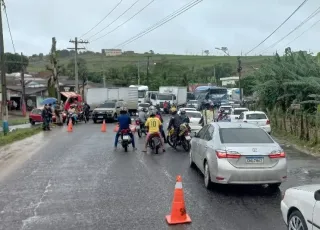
237 118
118 107
317 195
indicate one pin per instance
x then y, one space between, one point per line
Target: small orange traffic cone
178 209
104 126
70 129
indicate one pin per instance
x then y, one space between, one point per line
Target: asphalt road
77 181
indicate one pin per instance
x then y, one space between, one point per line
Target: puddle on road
13 155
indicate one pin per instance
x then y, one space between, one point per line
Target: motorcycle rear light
227 154
277 155
268 122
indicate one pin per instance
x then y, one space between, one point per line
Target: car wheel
32 122
296 221
94 121
115 117
274 186
207 179
191 163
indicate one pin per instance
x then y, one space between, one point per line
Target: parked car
233 153
258 118
187 109
300 207
143 105
35 116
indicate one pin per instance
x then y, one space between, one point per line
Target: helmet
152 113
173 109
152 107
123 110
144 110
182 112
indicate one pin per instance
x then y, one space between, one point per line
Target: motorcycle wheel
157 149
126 148
186 145
169 141
139 133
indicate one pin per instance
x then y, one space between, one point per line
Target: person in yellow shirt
153 124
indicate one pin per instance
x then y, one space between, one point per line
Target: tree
53 84
14 62
207 52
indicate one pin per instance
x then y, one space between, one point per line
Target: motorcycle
82 117
154 142
184 137
224 118
71 116
140 128
125 139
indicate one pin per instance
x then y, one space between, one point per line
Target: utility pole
148 70
23 92
239 71
4 109
139 72
76 48
103 75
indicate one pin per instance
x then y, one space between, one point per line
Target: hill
96 62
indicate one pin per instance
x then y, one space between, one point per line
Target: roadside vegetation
17 135
288 89
16 121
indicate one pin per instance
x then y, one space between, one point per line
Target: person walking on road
45 118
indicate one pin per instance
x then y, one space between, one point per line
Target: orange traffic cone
178 210
70 126
104 126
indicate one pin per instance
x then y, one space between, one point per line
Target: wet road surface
77 181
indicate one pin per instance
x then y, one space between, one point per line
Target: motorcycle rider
154 125
72 110
143 115
158 115
184 117
124 122
175 122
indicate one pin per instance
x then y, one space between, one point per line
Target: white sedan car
235 113
258 118
195 117
300 207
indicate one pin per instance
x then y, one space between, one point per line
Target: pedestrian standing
45 118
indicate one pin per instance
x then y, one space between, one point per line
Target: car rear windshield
193 114
244 135
256 116
165 97
144 105
239 111
108 105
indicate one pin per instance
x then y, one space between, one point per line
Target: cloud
238 25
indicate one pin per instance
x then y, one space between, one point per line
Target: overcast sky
238 25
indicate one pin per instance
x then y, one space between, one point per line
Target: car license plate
188 138
100 116
125 137
254 160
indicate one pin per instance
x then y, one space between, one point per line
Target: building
111 52
229 80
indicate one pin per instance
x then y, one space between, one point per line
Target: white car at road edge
300 207
258 118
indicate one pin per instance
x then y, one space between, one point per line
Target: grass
303 146
18 121
17 135
95 62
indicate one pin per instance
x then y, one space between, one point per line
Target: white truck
179 93
129 95
142 91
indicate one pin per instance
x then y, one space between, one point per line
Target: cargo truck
129 95
173 94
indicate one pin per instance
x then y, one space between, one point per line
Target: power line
278 26
114 20
102 19
303 32
161 22
124 22
317 11
5 11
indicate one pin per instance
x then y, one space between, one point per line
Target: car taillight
275 155
268 122
227 154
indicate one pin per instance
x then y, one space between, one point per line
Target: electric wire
5 11
124 22
304 2
102 19
114 20
317 11
161 22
